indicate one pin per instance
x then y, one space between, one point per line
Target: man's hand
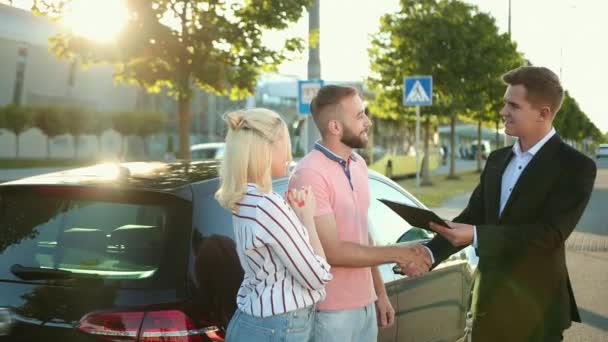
458 234
384 311
415 262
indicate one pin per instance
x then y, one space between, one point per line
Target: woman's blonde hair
248 153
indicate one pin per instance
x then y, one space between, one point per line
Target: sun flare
99 20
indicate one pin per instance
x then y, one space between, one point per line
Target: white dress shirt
514 169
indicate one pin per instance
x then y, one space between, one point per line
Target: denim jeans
354 325
294 326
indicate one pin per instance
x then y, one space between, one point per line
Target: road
587 258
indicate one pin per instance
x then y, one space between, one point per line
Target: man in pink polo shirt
338 178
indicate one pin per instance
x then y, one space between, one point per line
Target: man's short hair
325 105
542 86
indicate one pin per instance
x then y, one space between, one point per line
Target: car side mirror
414 234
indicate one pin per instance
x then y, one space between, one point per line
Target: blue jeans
294 326
354 325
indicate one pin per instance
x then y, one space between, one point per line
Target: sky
567 36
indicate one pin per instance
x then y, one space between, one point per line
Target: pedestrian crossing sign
418 90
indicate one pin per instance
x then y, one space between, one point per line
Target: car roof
207 146
155 176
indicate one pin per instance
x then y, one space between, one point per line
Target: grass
442 188
34 163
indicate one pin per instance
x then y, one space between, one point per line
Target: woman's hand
302 201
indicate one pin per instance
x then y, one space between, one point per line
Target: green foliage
124 123
99 122
148 123
16 119
572 123
452 41
77 120
50 120
213 44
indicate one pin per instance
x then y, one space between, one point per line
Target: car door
431 307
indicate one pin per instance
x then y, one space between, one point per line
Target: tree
447 39
99 123
16 119
77 122
215 45
51 121
126 124
148 123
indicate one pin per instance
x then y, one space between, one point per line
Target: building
31 75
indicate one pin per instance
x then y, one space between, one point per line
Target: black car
143 252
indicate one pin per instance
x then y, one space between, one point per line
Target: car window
386 227
211 218
114 239
205 153
219 153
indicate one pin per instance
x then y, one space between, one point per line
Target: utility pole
310 133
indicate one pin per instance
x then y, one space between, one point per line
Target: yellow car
398 165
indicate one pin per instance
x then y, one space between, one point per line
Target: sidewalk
452 206
462 165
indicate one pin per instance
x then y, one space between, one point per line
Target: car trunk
86 263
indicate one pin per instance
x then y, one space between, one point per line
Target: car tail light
112 326
153 326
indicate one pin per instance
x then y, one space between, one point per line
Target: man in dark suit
530 197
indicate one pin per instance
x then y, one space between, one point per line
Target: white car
207 151
602 151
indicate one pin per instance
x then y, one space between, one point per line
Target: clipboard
415 216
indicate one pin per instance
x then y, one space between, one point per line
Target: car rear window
110 237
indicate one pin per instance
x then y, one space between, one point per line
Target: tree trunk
452 174
122 147
145 142
48 147
479 151
16 145
426 174
99 144
76 141
184 129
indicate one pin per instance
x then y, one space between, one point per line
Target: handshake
413 260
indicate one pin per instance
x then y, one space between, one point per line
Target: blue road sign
418 91
306 92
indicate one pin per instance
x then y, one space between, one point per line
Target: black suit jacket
522 290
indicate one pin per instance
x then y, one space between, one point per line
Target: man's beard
352 140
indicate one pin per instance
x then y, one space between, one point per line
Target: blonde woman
277 242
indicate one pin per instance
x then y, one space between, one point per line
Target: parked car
207 151
142 251
396 165
485 149
602 151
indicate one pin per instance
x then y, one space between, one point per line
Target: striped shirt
282 272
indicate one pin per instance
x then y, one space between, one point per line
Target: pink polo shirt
351 287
